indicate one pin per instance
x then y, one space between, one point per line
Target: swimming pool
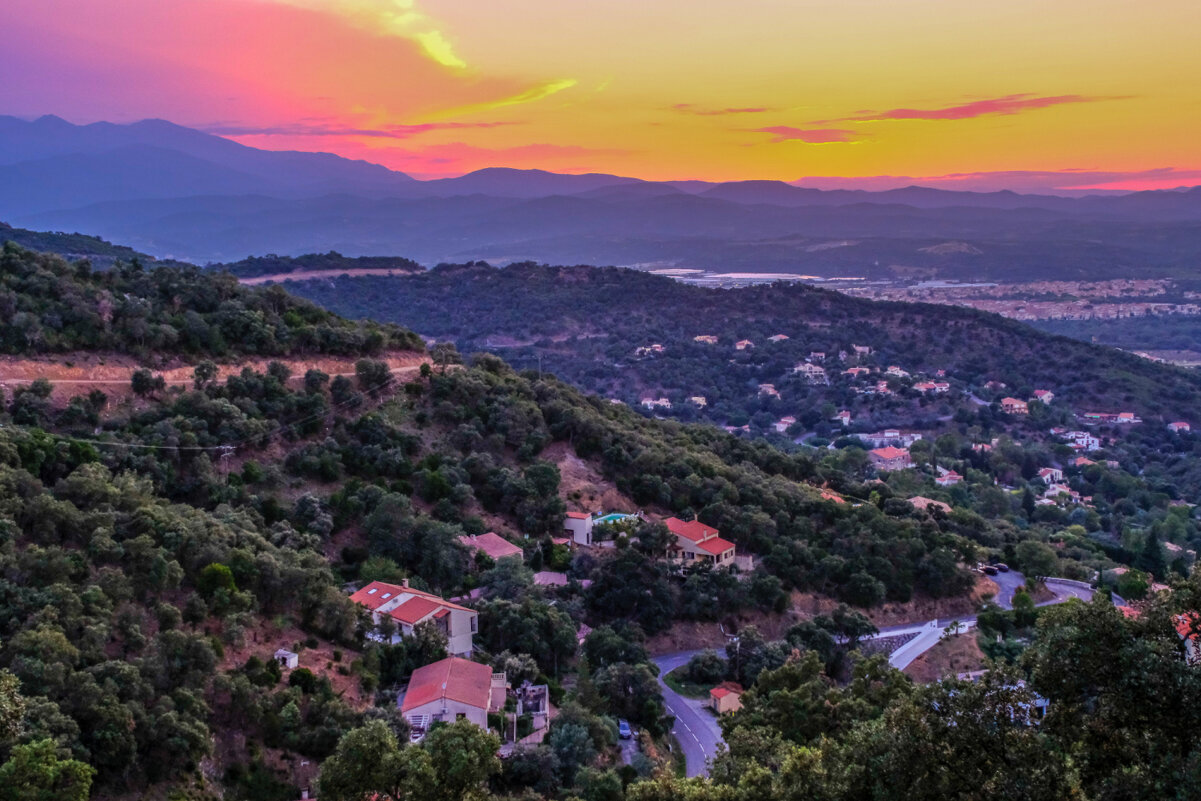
612 517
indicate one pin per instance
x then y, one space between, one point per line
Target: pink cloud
812 136
1009 104
334 129
691 108
1054 182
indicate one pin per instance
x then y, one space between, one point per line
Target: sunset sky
954 93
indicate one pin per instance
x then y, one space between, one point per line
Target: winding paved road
696 728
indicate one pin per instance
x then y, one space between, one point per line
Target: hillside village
438 555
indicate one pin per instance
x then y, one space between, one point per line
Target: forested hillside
158 546
586 324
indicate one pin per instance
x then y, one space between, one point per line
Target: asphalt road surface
696 728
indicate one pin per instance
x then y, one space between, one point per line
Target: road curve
695 727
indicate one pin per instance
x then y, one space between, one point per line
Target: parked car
623 729
1004 568
989 570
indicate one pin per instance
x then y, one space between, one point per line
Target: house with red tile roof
696 542
406 608
1188 626
578 526
452 689
890 458
1050 475
743 344
492 544
1044 395
926 504
1178 427
1014 406
726 697
947 478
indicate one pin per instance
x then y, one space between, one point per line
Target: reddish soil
691 635
584 488
950 657
77 373
918 610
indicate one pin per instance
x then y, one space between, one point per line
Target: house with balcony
696 542
1014 406
451 689
408 608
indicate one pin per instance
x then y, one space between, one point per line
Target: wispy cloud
1068 181
533 94
811 136
692 108
400 18
1009 104
333 129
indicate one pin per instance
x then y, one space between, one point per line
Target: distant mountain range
175 192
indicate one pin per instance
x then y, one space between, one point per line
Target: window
460 716
475 624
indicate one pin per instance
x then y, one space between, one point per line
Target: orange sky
1030 95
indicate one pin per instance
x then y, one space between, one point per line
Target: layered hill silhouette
175 192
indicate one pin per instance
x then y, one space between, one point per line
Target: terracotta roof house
1050 475
449 690
1014 406
890 458
707 339
696 542
409 608
1044 395
726 697
948 478
743 344
777 338
491 544
1178 427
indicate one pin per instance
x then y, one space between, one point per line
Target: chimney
404 583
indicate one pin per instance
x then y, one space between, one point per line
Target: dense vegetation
277 265
48 305
155 549
76 246
585 324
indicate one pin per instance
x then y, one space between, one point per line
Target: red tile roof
1188 626
889 452
453 679
376 594
693 530
579 515
492 544
726 688
715 545
415 610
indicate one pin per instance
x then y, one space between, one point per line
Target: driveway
695 727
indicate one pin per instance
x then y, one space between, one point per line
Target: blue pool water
611 518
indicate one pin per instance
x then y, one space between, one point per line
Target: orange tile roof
453 679
693 530
376 594
1188 626
715 545
415 610
579 515
889 452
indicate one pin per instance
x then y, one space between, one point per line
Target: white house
578 525
843 417
947 478
286 659
1178 428
1050 475
784 423
408 608
449 690
811 372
